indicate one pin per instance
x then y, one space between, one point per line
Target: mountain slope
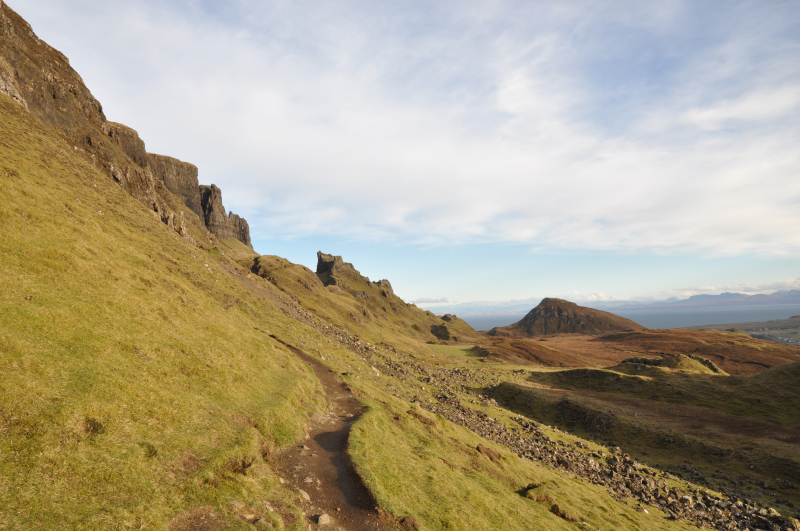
136 382
557 316
339 294
150 377
40 78
140 383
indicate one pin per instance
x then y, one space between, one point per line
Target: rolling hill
557 316
158 373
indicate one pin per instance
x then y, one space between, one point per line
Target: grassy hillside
368 309
736 433
136 380
141 380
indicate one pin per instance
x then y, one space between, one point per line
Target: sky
496 151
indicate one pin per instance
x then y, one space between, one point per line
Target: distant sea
487 322
661 318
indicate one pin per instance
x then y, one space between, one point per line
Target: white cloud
765 104
749 289
583 125
426 300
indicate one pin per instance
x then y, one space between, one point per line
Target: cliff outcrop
223 226
128 140
40 78
180 178
240 228
557 316
329 265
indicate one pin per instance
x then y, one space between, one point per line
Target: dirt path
321 468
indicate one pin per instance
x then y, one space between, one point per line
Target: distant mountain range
725 300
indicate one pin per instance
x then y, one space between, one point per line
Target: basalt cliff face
557 316
223 226
40 78
179 177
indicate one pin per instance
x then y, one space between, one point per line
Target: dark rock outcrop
220 224
441 332
329 265
180 178
239 228
214 212
387 287
557 316
40 78
128 140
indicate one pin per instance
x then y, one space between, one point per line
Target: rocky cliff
223 226
179 177
557 316
128 140
240 228
40 78
329 265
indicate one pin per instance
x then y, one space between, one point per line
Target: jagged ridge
39 78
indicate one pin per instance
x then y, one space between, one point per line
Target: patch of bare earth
198 519
320 469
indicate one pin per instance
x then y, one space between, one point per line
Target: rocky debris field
437 388
623 475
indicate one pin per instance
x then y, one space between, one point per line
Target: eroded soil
321 468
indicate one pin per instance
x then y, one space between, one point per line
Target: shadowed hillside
732 352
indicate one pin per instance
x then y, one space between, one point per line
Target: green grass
434 473
129 392
140 381
768 395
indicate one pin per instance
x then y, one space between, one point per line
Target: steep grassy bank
136 382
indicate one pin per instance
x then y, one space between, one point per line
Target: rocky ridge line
40 78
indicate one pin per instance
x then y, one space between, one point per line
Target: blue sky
475 151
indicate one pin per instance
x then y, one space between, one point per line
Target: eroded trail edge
320 469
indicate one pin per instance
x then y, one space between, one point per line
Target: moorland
159 373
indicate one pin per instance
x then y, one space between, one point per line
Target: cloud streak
601 300
612 126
